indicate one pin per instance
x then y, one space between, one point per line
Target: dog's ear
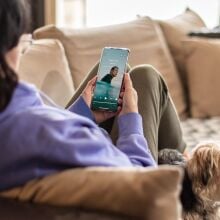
204 164
206 173
203 170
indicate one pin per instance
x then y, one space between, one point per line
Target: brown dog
203 170
200 194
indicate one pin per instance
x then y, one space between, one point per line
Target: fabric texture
140 193
45 65
197 131
177 29
142 36
202 59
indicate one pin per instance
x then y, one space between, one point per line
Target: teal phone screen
110 76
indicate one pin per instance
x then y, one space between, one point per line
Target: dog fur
200 194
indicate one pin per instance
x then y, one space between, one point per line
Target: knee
147 75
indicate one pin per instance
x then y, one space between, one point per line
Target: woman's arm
131 139
132 142
79 142
80 107
46 140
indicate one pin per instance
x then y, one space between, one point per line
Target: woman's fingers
124 83
120 101
127 81
119 110
91 84
93 80
121 94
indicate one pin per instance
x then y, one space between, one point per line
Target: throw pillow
177 29
142 36
45 65
202 57
141 193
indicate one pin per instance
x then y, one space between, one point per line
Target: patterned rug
196 131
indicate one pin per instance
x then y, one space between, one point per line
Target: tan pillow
142 36
46 66
141 193
175 30
203 72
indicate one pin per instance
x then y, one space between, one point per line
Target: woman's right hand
129 97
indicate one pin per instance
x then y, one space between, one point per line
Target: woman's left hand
100 116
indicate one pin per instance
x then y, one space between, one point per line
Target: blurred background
93 13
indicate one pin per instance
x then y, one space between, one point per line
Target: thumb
92 81
127 81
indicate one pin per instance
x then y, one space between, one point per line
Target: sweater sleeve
132 141
81 108
77 142
45 142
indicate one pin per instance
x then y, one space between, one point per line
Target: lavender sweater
37 140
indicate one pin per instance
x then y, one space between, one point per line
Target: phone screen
110 77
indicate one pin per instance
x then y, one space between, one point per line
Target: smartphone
111 71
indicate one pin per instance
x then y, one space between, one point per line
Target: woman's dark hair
14 21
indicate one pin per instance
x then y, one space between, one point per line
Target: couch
57 63
188 64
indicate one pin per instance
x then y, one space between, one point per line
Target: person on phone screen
108 77
38 139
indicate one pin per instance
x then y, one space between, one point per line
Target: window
92 13
71 13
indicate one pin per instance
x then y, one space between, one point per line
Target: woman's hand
128 100
100 116
129 97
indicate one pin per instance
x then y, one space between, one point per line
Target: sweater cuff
81 108
130 123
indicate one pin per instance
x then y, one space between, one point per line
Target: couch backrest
142 36
151 42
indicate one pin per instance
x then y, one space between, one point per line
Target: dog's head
204 171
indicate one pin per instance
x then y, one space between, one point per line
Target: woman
109 76
38 140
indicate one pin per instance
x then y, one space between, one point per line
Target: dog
200 193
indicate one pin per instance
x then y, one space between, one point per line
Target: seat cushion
142 36
45 65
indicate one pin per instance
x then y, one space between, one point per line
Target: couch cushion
141 193
202 59
175 30
46 66
142 36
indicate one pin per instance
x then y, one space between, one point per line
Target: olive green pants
160 121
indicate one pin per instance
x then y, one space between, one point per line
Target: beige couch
60 59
